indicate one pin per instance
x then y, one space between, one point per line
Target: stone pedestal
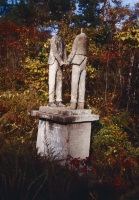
63 132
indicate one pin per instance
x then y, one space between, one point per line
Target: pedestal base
63 132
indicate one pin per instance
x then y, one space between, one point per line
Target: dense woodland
112 91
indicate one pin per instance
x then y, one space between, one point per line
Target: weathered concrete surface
60 140
62 132
64 111
52 139
63 115
79 140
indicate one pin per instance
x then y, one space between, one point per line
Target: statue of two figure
77 58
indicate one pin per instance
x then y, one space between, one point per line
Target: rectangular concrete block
63 132
61 140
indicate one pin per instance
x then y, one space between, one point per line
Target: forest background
112 91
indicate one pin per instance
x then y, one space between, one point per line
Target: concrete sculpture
77 59
57 59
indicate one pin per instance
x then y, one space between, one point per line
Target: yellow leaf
123 38
42 79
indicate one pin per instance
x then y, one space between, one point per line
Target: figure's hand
67 63
62 63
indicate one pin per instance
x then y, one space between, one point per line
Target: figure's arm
65 55
74 49
55 52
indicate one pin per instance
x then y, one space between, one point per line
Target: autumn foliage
112 91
